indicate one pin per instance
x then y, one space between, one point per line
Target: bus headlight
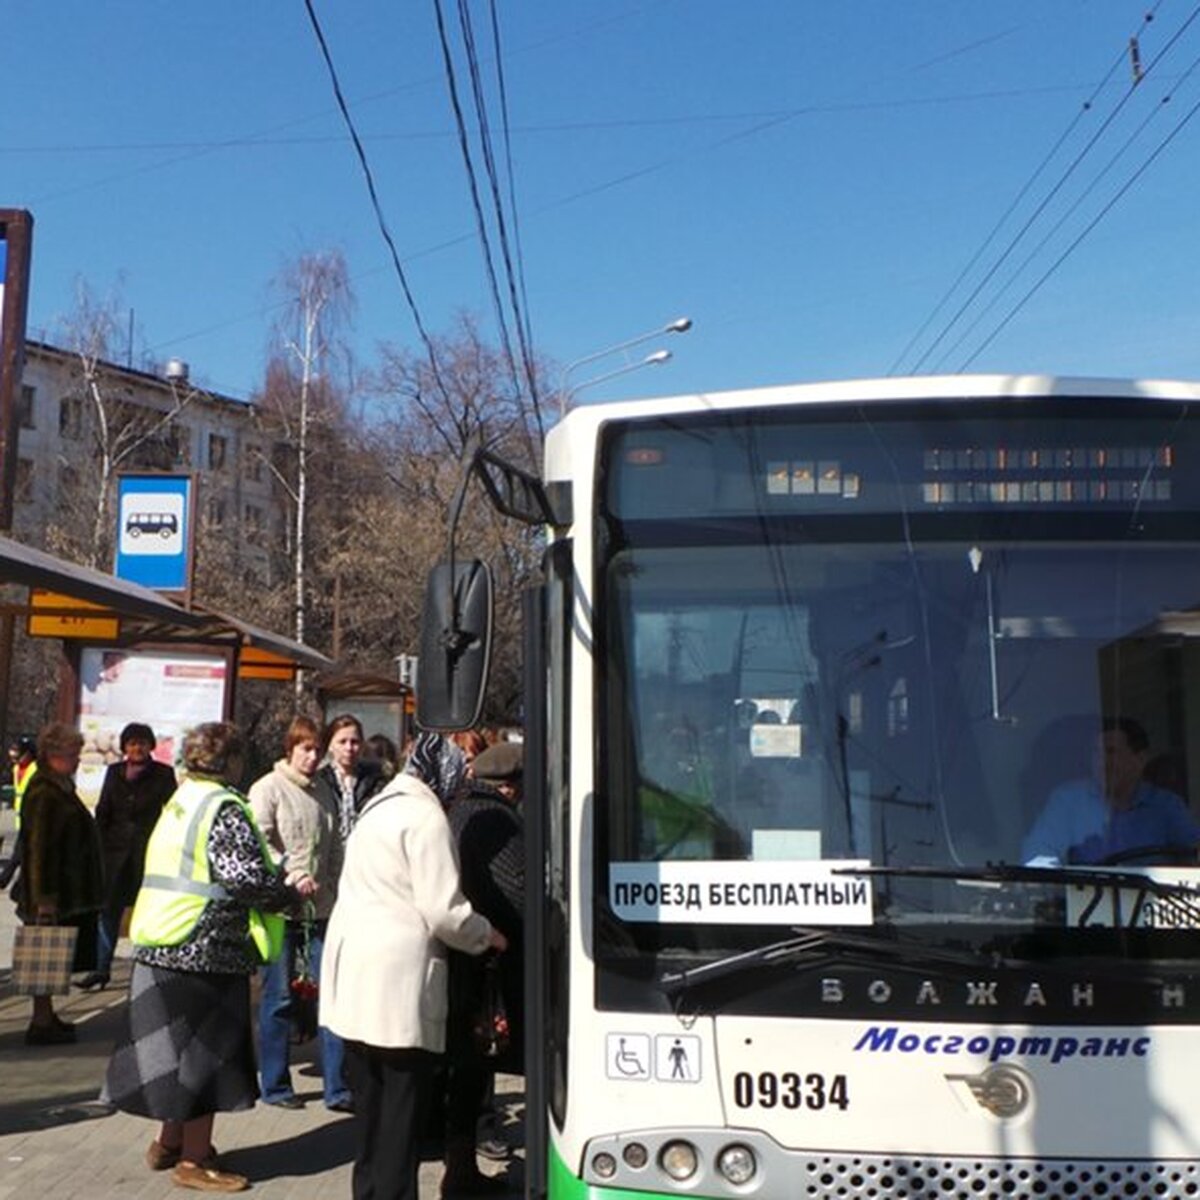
737 1164
635 1155
604 1165
679 1160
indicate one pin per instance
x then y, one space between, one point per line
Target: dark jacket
125 817
368 780
60 858
491 852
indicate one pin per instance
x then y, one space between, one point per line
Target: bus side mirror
456 646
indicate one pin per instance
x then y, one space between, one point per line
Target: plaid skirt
186 1048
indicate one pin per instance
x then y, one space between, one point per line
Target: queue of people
339 871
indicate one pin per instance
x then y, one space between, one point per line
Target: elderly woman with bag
62 875
201 927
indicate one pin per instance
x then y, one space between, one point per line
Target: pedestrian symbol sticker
628 1056
677 1058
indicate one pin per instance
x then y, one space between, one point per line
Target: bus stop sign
154 516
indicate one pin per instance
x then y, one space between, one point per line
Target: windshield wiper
1018 873
1180 896
820 945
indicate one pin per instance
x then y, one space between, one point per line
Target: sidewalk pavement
57 1142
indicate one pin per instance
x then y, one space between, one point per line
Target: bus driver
1115 812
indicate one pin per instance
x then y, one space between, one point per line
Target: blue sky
806 181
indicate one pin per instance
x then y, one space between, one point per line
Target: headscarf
436 761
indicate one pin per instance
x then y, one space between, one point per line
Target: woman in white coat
384 973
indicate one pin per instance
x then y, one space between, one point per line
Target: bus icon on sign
163 524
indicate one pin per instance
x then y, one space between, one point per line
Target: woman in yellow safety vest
23 770
203 923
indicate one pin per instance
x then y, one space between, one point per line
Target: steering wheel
1161 856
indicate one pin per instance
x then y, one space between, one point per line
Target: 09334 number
789 1089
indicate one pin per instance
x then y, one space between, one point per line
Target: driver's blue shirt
1078 825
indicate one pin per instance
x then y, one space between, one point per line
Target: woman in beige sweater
301 826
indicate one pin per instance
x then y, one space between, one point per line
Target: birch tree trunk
319 295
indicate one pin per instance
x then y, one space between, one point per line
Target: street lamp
680 325
651 360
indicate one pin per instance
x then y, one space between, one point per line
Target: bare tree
435 420
318 300
116 431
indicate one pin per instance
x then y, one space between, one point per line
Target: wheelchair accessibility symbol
628 1056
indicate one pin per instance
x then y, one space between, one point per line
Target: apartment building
153 423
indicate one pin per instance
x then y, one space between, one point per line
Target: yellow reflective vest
177 887
20 787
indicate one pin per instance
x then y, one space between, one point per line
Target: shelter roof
67 591
359 683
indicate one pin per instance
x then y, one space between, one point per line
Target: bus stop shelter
80 605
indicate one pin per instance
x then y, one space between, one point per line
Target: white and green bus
863 732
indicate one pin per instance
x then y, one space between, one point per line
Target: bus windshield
844 646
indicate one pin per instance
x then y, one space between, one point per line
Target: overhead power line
486 151
1074 207
1118 62
464 145
369 177
269 138
507 254
1179 127
520 304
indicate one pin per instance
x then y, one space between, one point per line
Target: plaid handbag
42 959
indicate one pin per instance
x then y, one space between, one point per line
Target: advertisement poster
170 692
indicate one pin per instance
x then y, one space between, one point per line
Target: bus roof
914 387
575 434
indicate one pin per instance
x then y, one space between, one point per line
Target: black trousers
466 1091
389 1086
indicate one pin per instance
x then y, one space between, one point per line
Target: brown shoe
163 1158
207 1179
160 1157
